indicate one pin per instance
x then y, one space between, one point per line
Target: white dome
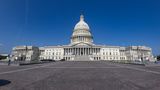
81 24
81 33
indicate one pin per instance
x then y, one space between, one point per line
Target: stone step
82 58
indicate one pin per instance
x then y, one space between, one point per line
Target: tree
158 57
3 57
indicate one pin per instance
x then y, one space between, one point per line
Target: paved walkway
80 76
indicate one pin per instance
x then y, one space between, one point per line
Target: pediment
82 44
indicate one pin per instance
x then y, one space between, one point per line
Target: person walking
9 61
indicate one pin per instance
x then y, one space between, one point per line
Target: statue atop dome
81 17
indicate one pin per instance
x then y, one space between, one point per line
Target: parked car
62 60
49 60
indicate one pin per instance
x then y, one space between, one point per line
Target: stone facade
139 53
83 48
25 53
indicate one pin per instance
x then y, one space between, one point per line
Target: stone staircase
82 58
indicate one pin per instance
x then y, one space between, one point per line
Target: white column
88 51
75 51
84 51
80 52
72 50
92 51
96 51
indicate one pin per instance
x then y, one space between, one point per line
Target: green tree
3 57
158 57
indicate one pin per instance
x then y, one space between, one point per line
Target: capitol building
82 48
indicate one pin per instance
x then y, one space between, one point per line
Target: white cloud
1 44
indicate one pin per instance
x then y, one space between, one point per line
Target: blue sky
51 22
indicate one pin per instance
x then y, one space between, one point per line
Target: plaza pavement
93 75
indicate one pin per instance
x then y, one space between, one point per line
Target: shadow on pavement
4 82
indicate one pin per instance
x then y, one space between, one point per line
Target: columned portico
80 52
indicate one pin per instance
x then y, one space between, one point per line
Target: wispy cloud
1 44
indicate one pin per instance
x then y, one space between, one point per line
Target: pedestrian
9 62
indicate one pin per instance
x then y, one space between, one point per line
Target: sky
51 22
